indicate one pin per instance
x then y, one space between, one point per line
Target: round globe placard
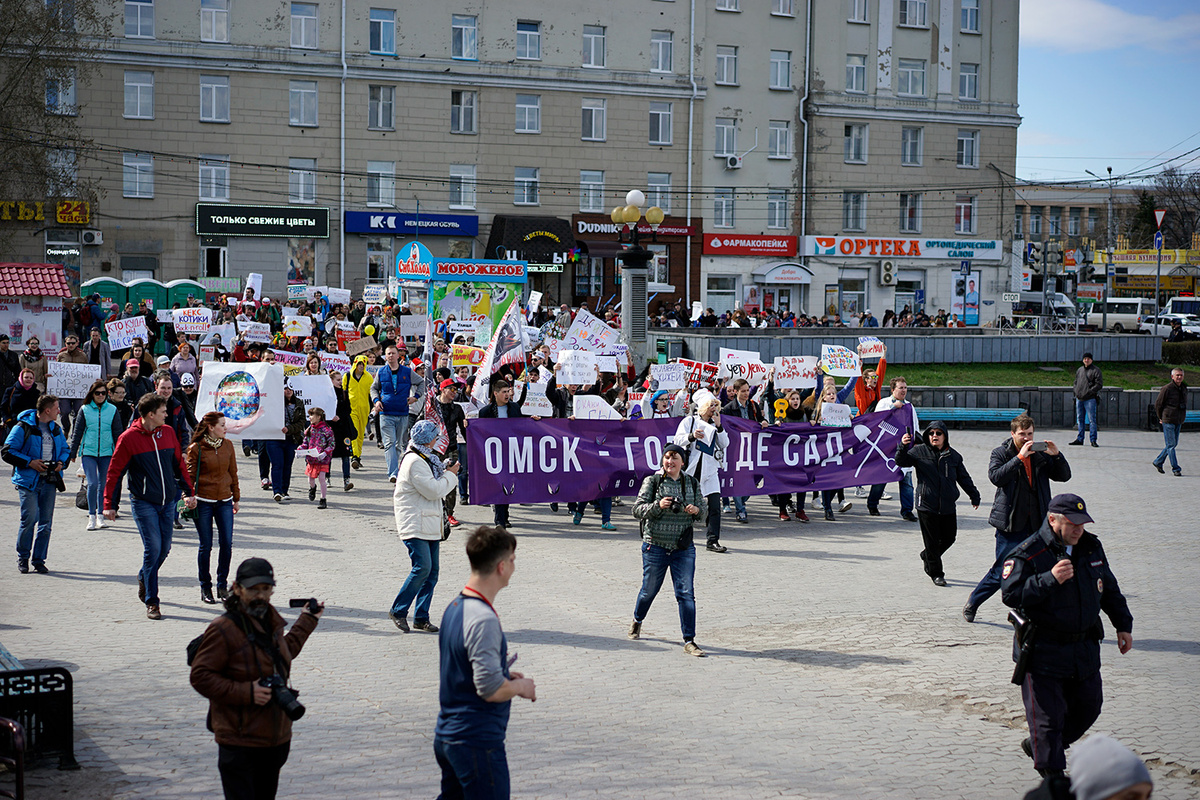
237 395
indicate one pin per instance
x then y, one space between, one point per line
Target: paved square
836 668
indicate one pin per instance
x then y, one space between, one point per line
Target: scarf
435 461
32 355
25 385
215 444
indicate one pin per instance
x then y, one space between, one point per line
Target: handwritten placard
195 320
576 368
293 363
589 406
122 332
259 332
361 345
536 403
164 315
535 302
412 325
345 337
870 347
589 332
795 372
835 415
838 360
339 296
374 295
68 379
314 391
607 363
465 327
207 352
335 362
743 364
670 377
699 373
297 326
297 291
555 345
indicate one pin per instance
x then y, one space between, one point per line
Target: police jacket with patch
939 474
1067 615
1017 502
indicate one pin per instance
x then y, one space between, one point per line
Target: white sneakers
96 522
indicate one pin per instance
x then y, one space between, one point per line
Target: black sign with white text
300 222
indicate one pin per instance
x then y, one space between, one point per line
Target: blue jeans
222 512
1085 415
462 474
603 503
37 509
1171 440
155 523
1005 544
906 494
470 772
96 470
393 430
421 580
282 453
682 563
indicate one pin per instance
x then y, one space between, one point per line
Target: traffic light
1086 273
1054 254
1033 252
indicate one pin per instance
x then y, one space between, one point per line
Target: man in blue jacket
392 392
37 449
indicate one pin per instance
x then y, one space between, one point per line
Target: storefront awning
782 272
600 249
538 240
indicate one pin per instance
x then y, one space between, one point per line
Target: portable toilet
183 291
150 290
112 294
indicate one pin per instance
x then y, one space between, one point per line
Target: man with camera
242 666
37 449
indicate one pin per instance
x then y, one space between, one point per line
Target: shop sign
734 245
785 273
221 285
583 228
415 261
223 219
870 247
22 211
1148 257
72 212
402 224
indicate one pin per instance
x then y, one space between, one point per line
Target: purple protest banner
561 460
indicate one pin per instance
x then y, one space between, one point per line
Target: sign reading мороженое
222 219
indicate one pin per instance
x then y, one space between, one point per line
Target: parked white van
1124 313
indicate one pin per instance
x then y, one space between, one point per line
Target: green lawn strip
1118 375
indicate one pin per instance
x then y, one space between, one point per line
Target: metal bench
42 702
14 763
961 415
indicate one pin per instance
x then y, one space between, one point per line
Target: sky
1107 83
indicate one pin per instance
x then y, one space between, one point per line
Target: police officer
1060 579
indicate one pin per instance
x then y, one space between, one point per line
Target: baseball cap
133 362
253 571
1072 507
187 379
446 383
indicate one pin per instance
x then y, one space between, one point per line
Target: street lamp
634 260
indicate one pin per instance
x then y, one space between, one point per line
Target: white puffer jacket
417 500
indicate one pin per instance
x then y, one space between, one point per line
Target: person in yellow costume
357 383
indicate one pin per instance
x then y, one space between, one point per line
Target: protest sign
207 352
250 395
345 337
361 345
746 364
337 295
607 363
374 295
253 289
870 347
311 292
315 391
297 291
838 360
122 332
697 310
259 332
164 315
589 406
555 346
576 368
536 403
589 332
795 372
465 327
835 415
462 355
227 332
535 302
297 326
335 362
670 377
196 320
71 380
699 373
412 325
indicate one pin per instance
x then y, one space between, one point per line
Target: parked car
1161 325
1124 313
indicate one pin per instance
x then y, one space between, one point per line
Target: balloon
369 330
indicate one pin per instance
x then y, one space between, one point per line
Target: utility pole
1109 238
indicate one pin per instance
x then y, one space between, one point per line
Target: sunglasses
100 394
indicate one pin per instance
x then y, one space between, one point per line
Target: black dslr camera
283 696
54 475
676 505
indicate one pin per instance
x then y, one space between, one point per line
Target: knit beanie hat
1101 767
423 432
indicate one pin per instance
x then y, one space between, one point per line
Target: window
858 11
594 119
854 211
214 98
214 179
138 175
1035 221
721 292
381 107
723 208
139 95
462 185
910 213
661 51
1054 221
304 25
726 142
462 111
464 37
1074 221
139 20
964 214
783 8
302 103
529 113
659 271
529 40
781 69
62 17
525 186
593 45
658 190
911 141
1019 223
970 16
62 167
591 190
60 95
214 20
854 296
968 148
1093 219
727 5
727 64
379 258
777 208
779 139
856 73
383 31
968 82
912 77
381 183
589 277
302 180
856 144
660 122
913 12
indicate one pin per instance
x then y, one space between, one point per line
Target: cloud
1083 26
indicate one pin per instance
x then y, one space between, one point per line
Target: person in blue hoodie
37 449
